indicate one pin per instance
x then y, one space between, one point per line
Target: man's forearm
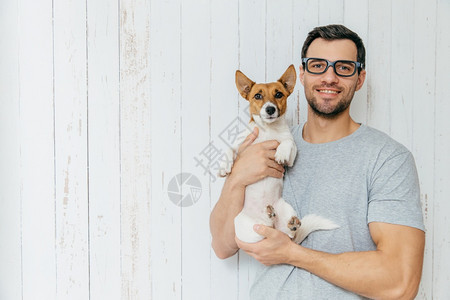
227 208
375 274
365 273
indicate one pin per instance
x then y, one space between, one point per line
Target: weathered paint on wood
105 103
104 149
37 152
71 145
165 88
135 149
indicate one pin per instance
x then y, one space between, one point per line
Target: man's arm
253 163
392 271
222 217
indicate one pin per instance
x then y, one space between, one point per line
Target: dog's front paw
292 156
224 169
283 153
226 163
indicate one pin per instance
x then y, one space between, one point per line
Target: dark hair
336 32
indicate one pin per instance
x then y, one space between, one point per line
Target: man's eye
316 66
279 95
258 96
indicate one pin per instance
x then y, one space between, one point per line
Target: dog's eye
279 95
258 96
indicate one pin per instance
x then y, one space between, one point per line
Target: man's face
328 94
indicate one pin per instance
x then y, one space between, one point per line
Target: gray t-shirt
362 178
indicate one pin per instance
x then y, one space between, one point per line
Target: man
347 172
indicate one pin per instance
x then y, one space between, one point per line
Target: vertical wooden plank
195 114
224 98
37 149
104 151
440 248
424 110
279 32
165 57
379 65
10 192
278 38
356 18
252 39
135 145
331 12
252 62
356 14
402 62
305 18
72 245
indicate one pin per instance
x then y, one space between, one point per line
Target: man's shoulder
381 141
384 152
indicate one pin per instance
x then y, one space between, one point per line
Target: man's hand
274 249
256 161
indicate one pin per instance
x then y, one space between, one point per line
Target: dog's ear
288 79
243 84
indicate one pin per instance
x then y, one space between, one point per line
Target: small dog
263 203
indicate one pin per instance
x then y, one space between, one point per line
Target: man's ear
361 79
302 74
288 79
243 84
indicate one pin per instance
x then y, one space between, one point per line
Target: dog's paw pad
270 211
294 224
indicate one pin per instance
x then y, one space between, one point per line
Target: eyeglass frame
359 66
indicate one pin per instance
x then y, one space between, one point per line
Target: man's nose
330 75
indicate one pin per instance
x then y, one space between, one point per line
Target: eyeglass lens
341 67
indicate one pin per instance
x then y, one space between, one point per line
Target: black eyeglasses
344 68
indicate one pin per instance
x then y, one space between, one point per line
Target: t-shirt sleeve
394 194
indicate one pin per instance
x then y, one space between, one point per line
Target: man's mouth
328 91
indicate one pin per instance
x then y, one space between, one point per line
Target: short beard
340 107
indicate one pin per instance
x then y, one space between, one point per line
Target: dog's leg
287 220
243 225
227 163
286 152
292 155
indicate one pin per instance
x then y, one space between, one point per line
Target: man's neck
318 130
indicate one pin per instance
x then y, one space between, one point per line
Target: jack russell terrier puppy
263 203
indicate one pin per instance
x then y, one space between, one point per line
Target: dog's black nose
270 110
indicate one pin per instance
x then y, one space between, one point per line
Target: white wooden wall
104 102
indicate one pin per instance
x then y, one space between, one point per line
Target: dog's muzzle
269 112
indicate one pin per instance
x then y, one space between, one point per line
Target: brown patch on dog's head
259 94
